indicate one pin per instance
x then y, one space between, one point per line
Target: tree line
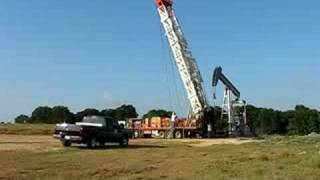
59 114
300 121
262 121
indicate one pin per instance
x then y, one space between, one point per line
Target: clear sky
103 53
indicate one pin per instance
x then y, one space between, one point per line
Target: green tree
266 121
252 118
125 112
42 114
22 119
282 123
62 114
212 116
157 113
305 121
87 112
108 112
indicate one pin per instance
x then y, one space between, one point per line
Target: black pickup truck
93 131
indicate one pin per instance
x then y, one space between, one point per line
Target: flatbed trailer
179 133
178 130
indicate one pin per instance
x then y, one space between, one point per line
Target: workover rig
190 74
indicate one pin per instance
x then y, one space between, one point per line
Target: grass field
27 129
43 158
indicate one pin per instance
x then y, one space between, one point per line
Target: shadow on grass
106 147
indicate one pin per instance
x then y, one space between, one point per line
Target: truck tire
178 134
124 142
102 144
66 143
198 136
92 143
162 134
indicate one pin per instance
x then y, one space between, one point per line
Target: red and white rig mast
187 65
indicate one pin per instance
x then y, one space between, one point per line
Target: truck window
109 123
95 120
102 121
115 122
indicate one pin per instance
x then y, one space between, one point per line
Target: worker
172 126
173 118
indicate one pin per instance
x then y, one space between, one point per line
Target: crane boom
218 75
187 65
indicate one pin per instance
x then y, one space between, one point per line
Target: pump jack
233 107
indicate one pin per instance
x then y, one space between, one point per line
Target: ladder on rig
187 65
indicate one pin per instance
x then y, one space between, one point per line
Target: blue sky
103 53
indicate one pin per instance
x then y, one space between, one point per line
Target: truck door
108 129
112 130
116 130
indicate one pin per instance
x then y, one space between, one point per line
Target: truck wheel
93 143
178 135
102 144
66 143
198 136
124 142
162 134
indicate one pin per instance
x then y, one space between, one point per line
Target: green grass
26 129
276 158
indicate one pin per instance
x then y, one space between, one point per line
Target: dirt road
43 143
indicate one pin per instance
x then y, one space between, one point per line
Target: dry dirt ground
43 158
42 143
26 142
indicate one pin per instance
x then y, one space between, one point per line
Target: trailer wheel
178 134
162 134
147 135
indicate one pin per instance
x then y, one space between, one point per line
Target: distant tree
281 126
108 112
158 113
125 112
212 116
22 119
87 112
252 118
305 121
302 120
42 114
266 119
62 114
